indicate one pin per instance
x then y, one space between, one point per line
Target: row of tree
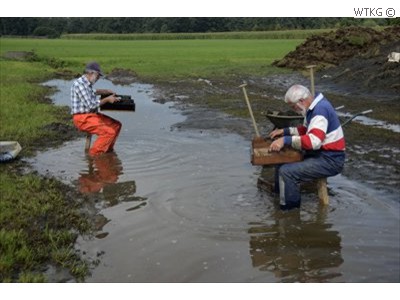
54 27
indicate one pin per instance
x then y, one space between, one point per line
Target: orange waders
106 128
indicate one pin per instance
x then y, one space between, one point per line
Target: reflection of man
103 169
296 250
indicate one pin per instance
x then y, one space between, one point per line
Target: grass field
161 58
36 220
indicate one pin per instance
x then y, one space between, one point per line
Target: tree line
54 27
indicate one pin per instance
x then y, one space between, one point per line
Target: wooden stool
88 141
320 183
323 191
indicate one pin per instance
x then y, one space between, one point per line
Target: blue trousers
316 164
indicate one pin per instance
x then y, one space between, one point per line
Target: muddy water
183 206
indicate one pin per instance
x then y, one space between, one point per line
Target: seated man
321 137
84 110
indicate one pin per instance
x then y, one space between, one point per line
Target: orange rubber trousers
106 128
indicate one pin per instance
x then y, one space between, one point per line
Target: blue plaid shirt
83 97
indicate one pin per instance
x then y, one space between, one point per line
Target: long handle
243 86
356 115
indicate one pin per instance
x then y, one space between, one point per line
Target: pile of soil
122 76
20 55
372 74
356 57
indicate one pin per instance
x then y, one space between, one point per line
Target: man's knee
110 131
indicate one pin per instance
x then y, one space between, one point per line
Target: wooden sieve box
261 156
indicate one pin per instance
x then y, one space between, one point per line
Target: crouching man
84 110
321 138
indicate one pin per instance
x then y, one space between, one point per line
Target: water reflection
102 170
297 250
101 177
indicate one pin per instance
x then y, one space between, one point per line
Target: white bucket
9 150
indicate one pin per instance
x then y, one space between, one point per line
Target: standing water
183 206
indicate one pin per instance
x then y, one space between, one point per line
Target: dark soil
355 58
122 76
20 55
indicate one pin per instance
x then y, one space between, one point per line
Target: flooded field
182 205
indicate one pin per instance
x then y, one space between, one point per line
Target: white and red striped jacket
321 129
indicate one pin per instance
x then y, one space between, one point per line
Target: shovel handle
243 86
366 112
356 115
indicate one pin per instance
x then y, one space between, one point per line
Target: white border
190 8
199 291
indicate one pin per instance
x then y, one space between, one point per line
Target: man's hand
276 145
112 98
276 133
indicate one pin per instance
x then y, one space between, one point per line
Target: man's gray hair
297 92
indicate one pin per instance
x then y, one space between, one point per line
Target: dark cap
94 66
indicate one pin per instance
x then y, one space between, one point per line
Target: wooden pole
88 141
311 67
243 86
322 182
323 191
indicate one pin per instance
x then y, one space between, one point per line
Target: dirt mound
333 48
374 74
122 76
20 55
356 57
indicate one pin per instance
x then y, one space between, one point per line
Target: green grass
22 113
162 59
37 226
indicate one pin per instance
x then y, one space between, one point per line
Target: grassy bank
39 218
38 228
38 222
24 110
